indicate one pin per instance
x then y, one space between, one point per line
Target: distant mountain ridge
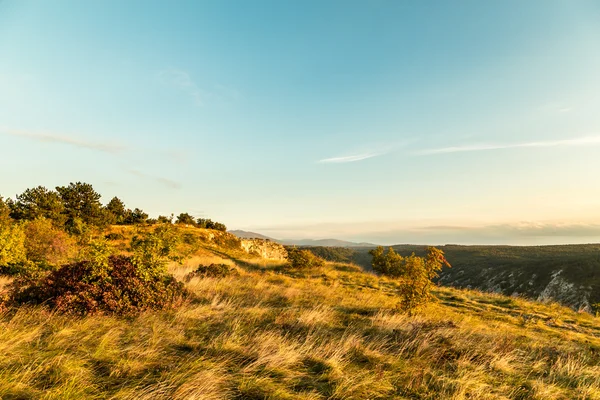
325 243
301 242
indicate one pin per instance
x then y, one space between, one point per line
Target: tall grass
328 333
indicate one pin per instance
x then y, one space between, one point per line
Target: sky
382 121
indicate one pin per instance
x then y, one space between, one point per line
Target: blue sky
385 121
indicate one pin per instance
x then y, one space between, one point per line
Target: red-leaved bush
78 289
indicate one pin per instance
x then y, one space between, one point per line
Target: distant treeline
77 206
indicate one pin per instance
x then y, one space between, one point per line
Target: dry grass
331 333
4 282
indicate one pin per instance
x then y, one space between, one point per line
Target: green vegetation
334 333
414 274
299 258
42 229
173 311
526 271
212 271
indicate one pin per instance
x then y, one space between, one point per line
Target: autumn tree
12 239
46 245
4 210
414 274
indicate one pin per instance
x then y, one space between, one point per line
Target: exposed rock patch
264 248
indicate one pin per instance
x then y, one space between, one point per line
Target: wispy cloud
582 141
368 151
183 81
348 159
163 181
65 139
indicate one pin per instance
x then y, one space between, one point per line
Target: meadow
332 332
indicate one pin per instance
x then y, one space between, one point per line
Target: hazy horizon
387 122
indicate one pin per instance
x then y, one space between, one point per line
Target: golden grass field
330 333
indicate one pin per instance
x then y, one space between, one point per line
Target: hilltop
269 332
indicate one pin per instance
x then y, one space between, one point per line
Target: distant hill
251 235
301 242
325 242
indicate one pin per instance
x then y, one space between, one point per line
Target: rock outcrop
264 248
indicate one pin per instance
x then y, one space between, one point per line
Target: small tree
186 219
82 205
164 219
151 251
414 274
136 217
219 227
204 223
117 211
301 258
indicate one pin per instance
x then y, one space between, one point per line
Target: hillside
275 333
569 274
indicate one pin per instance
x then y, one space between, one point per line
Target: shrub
114 236
186 219
12 245
151 251
300 258
212 271
207 223
78 289
415 274
46 245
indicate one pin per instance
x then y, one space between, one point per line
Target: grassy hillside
328 333
569 274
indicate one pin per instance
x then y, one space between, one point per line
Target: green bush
300 258
46 245
12 245
212 271
151 251
414 274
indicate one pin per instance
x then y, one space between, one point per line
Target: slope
329 333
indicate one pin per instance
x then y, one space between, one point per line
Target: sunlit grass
328 333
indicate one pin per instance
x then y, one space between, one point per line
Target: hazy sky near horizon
383 121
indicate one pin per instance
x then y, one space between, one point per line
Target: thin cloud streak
374 150
68 140
586 140
348 159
